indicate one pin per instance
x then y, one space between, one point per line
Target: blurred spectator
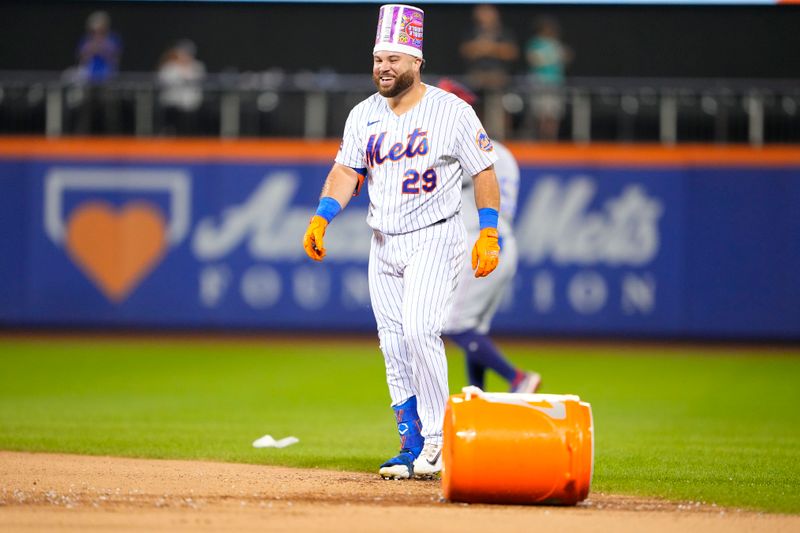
98 53
181 76
547 57
489 52
100 49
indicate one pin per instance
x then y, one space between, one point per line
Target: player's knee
389 338
419 336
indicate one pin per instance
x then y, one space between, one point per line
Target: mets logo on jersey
417 145
484 142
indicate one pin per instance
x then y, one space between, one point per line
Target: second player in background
477 299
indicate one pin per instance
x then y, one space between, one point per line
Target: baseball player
477 299
413 142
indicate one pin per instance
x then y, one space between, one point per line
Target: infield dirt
51 492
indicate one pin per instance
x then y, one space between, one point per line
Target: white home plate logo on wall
116 245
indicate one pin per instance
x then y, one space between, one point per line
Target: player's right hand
485 253
312 240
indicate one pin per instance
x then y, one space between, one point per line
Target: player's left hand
485 253
312 240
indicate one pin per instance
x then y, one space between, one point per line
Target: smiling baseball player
412 142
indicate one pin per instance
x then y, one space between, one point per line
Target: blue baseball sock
409 426
480 350
476 373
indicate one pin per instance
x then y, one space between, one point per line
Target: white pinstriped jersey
415 161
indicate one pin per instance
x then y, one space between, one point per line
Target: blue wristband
328 208
487 217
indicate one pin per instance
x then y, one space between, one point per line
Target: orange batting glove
485 253
312 240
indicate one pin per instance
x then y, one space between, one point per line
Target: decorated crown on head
399 30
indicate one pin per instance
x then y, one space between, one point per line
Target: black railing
315 105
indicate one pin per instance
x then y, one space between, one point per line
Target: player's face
393 72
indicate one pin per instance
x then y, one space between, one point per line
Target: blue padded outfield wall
607 248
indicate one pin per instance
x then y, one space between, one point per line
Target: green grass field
678 422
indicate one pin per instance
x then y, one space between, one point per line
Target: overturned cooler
517 448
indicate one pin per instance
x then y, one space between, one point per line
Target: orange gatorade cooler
517 448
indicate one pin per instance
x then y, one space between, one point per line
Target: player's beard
401 84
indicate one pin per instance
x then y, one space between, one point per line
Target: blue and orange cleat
409 428
400 466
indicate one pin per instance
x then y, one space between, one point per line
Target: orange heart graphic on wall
116 248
